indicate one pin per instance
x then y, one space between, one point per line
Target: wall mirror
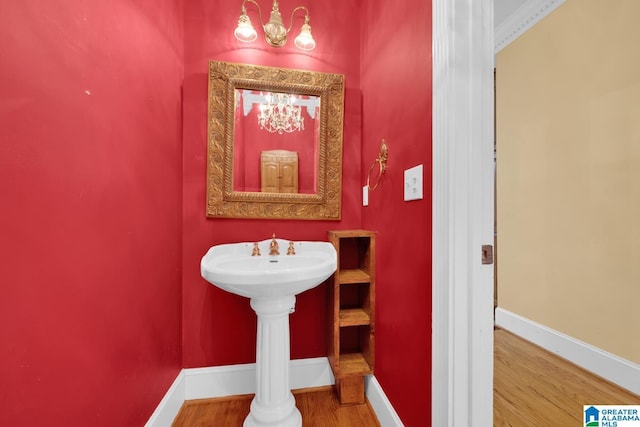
274 142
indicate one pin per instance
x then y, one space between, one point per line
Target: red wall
218 327
396 98
94 250
90 166
388 95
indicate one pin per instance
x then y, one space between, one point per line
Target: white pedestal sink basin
271 282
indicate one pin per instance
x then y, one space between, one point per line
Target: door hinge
487 254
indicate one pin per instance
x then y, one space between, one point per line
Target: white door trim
462 366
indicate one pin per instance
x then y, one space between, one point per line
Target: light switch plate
413 183
365 196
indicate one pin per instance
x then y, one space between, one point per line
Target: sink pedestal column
273 404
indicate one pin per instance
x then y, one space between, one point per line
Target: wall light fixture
275 32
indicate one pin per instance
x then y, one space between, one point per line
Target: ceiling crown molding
522 19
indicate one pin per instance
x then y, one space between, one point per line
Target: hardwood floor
533 387
319 408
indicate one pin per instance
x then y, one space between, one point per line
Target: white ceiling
514 17
503 8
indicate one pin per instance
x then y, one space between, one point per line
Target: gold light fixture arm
244 10
306 16
382 164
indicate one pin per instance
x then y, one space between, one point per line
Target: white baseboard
220 381
619 371
170 404
380 404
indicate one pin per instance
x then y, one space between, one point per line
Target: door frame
463 194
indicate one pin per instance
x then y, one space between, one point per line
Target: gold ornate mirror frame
222 200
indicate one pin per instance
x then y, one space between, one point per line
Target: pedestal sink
272 282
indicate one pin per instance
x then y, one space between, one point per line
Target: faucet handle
256 250
291 250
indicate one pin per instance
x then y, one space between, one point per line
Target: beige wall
568 189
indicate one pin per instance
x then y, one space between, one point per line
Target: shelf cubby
351 313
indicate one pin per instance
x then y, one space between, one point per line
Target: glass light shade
305 40
274 31
245 31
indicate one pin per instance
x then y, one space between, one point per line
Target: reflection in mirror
285 125
274 142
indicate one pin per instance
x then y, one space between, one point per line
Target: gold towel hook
382 163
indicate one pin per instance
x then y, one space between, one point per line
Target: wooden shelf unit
351 313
